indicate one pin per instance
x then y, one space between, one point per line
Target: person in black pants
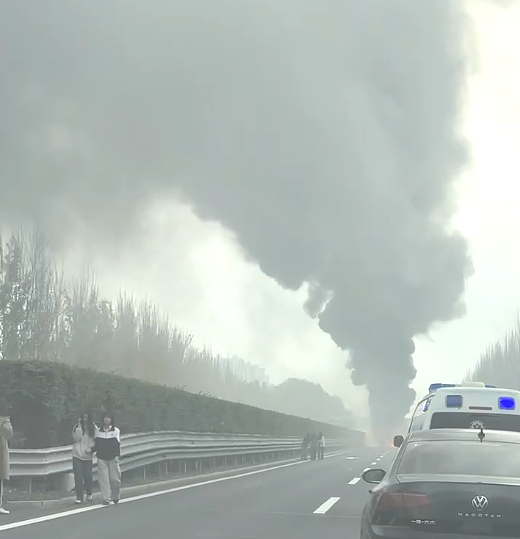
314 445
305 446
84 435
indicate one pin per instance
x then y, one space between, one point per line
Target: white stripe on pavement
324 507
354 481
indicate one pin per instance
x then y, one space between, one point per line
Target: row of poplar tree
45 316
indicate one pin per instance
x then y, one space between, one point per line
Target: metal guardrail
139 450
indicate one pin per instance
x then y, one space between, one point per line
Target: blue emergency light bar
436 386
506 403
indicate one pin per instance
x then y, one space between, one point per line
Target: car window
461 458
466 420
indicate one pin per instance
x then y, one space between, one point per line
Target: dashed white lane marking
351 458
354 481
365 470
373 463
324 507
71 512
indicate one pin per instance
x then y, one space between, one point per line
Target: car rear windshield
461 458
468 420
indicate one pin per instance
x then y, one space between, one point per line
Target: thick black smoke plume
323 133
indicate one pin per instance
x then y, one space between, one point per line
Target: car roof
464 435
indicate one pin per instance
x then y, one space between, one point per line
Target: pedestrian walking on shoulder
6 432
84 436
108 450
321 446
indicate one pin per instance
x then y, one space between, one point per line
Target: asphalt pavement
301 500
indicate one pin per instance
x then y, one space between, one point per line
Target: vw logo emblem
477 424
479 502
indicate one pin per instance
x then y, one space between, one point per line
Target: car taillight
389 501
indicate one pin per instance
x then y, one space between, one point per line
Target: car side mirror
373 476
398 441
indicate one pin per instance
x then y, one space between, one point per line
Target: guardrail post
64 482
26 483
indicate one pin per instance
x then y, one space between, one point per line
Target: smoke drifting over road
323 133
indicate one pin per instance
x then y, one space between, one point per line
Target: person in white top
6 432
84 436
321 446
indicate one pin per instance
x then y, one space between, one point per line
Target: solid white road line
71 512
354 481
324 507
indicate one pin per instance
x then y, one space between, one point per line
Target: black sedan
447 483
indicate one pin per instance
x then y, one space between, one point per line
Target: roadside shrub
46 398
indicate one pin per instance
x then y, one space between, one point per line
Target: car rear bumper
421 532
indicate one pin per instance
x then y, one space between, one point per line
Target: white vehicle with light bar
466 406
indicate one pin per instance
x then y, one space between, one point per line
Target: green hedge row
46 399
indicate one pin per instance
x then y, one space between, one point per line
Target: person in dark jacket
314 445
305 445
108 450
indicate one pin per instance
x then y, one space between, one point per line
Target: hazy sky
489 201
197 272
234 306
241 311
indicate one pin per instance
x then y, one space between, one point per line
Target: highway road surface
303 500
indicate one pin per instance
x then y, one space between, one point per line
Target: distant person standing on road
305 445
321 446
108 449
6 432
84 436
314 445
